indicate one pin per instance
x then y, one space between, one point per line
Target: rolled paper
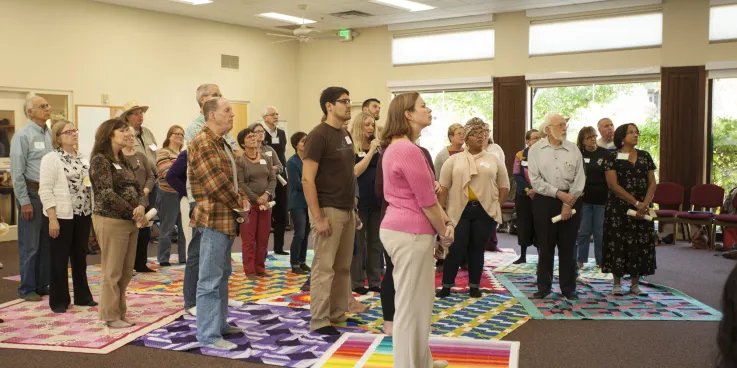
149 215
281 180
272 204
86 181
4 228
633 213
557 218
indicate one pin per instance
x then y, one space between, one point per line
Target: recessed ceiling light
286 18
404 4
193 2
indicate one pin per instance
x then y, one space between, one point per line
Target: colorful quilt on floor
589 270
32 325
597 302
376 351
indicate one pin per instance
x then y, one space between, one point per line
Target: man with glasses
329 183
28 146
277 139
556 171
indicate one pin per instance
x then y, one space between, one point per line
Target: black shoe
353 321
520 260
361 290
143 269
474 292
328 330
540 294
281 252
442 293
164 264
42 292
298 270
59 310
90 304
571 296
305 267
375 289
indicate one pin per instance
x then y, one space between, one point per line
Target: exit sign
347 34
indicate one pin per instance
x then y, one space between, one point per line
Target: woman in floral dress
629 246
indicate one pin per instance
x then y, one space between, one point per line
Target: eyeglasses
486 131
44 106
70 132
590 138
346 101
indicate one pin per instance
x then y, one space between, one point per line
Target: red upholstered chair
671 195
727 220
706 197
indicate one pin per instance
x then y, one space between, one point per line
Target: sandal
637 291
617 290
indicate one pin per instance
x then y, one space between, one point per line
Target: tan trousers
117 239
330 280
414 280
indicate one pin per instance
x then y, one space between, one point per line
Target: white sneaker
191 311
234 303
232 330
222 344
439 364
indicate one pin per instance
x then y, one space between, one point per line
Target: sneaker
439 364
617 290
191 311
305 267
234 303
222 344
298 270
31 297
232 330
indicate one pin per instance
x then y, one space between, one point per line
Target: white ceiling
242 12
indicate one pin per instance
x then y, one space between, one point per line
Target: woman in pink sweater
408 230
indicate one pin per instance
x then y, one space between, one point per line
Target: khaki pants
330 279
414 280
117 239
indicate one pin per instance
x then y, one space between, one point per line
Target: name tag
348 140
485 164
361 154
268 153
523 163
39 145
587 160
153 147
262 162
623 156
117 166
275 140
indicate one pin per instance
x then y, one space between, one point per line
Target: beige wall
157 59
364 65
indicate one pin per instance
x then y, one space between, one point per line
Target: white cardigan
53 187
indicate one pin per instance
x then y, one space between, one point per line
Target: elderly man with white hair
277 139
606 133
556 171
29 145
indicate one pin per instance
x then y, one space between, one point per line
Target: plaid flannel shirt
211 177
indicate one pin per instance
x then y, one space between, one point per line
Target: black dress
629 246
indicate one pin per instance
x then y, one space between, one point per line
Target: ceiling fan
303 33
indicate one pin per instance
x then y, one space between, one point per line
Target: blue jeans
169 215
298 250
212 287
33 245
192 269
592 222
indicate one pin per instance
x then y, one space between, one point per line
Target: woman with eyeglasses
65 196
145 178
168 199
524 196
594 196
629 241
118 211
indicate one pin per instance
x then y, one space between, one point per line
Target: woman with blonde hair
119 208
456 139
366 262
408 229
168 199
65 196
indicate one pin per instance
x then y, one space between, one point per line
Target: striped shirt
212 180
165 157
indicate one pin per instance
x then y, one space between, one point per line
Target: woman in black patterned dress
629 246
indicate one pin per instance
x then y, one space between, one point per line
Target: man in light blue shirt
28 146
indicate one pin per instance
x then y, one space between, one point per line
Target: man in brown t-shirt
329 187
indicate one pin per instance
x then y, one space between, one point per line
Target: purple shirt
177 174
408 187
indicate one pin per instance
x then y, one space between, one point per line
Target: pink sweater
408 187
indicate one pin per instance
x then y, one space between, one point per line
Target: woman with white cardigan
64 188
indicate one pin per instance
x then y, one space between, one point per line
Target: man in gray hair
28 146
277 139
555 166
606 133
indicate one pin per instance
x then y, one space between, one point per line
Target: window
585 105
642 30
723 133
439 47
722 23
449 107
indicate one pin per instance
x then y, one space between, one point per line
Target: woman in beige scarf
473 184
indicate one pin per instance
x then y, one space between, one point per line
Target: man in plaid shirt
215 189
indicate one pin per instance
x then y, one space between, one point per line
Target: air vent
229 62
351 14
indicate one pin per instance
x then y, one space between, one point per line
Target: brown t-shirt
332 149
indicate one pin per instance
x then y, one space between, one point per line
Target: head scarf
472 125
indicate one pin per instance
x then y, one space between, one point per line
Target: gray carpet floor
568 344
